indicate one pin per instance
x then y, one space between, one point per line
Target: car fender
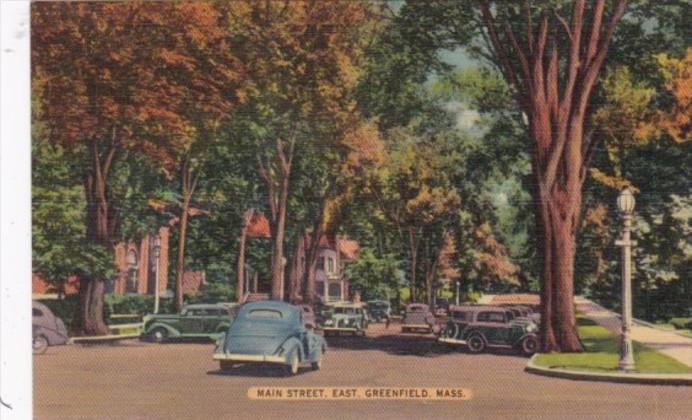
172 332
531 334
222 327
290 345
468 333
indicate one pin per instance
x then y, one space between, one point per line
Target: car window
347 311
461 315
415 309
265 313
36 312
510 315
491 317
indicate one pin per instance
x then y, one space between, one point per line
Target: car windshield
380 305
265 314
347 311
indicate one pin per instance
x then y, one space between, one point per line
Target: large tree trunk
554 95
101 221
413 256
278 201
240 269
297 270
180 260
188 185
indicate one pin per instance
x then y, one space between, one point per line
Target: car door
498 328
192 322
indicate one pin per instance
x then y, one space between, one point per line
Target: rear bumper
258 358
451 340
417 326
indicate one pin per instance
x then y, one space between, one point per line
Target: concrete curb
102 338
616 377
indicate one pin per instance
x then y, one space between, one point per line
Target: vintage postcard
347 209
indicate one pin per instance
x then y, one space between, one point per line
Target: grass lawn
602 352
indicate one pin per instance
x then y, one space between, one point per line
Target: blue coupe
270 332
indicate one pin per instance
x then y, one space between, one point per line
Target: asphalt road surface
180 380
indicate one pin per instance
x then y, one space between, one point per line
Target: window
335 290
491 317
319 288
461 316
36 312
330 265
320 263
265 313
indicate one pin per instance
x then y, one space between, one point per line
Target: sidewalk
666 342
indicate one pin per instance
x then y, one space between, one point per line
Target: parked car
308 316
418 317
346 317
46 329
204 320
480 327
378 310
270 332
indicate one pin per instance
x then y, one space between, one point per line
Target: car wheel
39 344
225 365
158 335
529 345
476 343
317 364
293 364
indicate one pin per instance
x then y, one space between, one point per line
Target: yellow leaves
677 122
490 257
611 181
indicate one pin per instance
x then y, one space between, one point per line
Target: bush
66 309
681 323
213 293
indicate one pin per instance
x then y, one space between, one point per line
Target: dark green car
194 321
481 327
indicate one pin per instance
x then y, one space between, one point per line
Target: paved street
179 380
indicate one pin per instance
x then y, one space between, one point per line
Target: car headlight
329 322
531 328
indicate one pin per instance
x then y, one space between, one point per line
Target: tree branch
595 30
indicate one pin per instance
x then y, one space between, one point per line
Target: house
333 254
137 269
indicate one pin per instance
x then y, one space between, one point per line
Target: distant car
46 329
270 332
194 321
480 327
346 317
308 316
379 310
418 317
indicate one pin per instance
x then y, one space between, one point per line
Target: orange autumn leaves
147 76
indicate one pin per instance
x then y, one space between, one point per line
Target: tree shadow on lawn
406 345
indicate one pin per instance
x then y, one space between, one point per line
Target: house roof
258 227
39 286
349 248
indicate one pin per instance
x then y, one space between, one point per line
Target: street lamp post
157 254
625 204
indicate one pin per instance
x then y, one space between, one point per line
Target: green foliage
377 276
212 293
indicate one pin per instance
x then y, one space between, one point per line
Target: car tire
39 344
317 364
529 345
476 343
293 365
158 335
225 365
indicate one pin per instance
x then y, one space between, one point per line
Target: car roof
476 308
270 304
416 305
